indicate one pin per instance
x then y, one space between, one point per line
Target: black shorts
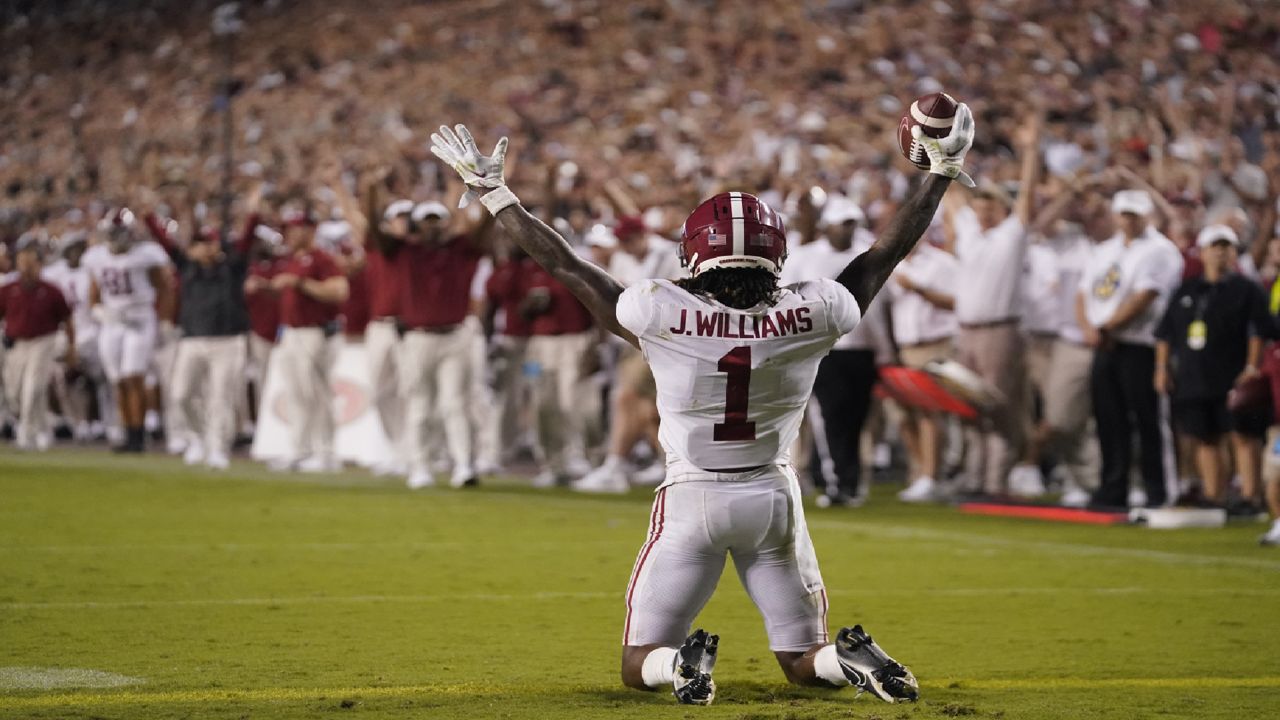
1205 419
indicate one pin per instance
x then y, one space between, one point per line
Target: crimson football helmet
733 230
120 228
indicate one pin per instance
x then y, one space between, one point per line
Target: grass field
248 595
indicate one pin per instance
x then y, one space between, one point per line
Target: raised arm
482 174
866 274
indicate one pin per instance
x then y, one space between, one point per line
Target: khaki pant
917 356
485 418
304 359
382 348
562 398
433 377
1067 411
511 391
997 354
28 369
206 375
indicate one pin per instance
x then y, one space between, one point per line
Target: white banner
360 439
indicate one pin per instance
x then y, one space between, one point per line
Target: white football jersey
74 283
122 279
733 384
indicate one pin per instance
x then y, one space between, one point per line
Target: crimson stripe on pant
656 520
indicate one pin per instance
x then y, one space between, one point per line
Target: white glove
104 315
946 154
459 152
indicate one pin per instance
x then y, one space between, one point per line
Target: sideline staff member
1209 340
1122 294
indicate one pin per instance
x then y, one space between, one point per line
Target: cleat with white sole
694 662
871 670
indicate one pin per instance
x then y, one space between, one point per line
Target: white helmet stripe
930 122
739 223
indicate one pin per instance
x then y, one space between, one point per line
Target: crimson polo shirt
437 283
297 309
503 290
384 273
565 315
264 305
32 310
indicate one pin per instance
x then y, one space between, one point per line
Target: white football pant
126 347
694 525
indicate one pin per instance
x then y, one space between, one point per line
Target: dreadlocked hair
739 288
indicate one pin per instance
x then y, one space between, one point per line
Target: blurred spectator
214 320
991 234
842 390
1209 341
385 270
435 351
1122 294
131 290
922 296
311 287
33 310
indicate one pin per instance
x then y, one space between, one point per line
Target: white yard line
601 595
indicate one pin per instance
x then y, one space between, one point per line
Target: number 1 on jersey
736 364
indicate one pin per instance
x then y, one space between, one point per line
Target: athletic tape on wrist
500 198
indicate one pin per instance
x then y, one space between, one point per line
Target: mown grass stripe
288 694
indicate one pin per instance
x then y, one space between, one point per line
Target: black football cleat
694 663
871 670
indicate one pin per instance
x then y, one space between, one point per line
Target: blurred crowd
1128 120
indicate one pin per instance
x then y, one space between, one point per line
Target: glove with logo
479 171
946 154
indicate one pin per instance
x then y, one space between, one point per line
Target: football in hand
934 113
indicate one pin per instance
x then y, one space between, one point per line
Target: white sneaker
463 476
283 464
1273 535
922 489
319 464
577 467
388 467
1137 497
488 469
1025 480
419 479
1074 497
545 480
43 441
608 478
651 476
175 446
194 454
882 456
217 460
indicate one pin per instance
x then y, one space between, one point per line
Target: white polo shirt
1040 290
660 262
991 263
818 260
914 319
1052 277
1117 271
